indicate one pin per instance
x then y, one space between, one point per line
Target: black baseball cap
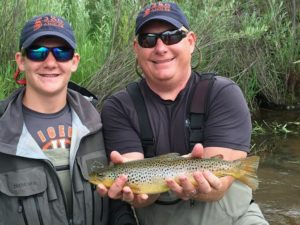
165 11
46 25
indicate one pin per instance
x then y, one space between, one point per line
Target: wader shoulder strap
146 134
86 93
197 109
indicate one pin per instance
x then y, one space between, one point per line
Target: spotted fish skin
149 175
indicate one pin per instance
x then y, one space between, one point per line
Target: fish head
101 177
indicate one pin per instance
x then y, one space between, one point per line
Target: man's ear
192 38
20 61
135 46
75 62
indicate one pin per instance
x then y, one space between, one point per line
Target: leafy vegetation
276 128
256 43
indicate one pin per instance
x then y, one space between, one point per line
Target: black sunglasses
148 40
40 53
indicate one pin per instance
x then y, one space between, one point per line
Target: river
279 171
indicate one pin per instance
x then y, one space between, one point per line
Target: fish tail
246 172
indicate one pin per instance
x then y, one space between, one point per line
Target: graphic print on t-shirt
55 143
52 132
55 137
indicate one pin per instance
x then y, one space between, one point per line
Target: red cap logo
48 21
157 7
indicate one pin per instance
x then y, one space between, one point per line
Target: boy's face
49 77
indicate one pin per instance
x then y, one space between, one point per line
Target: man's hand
206 182
119 190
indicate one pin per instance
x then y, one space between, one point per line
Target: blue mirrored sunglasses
149 40
40 53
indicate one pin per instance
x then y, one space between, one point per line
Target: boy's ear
75 62
20 61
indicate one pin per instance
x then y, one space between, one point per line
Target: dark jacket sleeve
121 213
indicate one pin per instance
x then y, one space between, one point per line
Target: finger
102 190
187 187
203 184
128 195
198 151
116 157
213 180
115 191
142 197
174 186
177 189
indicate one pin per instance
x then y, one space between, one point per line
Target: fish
148 176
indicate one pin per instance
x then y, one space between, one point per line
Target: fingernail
144 196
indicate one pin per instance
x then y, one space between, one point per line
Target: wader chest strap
197 110
146 134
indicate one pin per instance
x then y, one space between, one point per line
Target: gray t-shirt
53 133
228 121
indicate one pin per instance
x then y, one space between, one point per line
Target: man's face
48 77
165 64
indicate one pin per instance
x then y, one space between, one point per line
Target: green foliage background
256 43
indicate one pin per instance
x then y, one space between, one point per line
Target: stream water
279 170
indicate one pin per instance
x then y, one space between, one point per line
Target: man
50 135
163 46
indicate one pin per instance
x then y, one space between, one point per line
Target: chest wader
168 209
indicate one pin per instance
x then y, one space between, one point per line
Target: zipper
69 214
21 210
38 210
93 188
61 168
102 209
53 169
192 203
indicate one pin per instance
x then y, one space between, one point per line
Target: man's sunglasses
40 53
149 40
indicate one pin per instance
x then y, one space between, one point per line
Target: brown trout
148 175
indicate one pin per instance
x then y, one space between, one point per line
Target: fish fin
135 189
93 181
188 156
219 156
148 188
246 172
169 155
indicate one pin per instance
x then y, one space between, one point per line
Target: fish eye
100 175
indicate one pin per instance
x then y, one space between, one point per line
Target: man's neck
169 90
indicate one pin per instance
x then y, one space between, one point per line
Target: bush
253 42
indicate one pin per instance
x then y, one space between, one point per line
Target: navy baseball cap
166 11
46 25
